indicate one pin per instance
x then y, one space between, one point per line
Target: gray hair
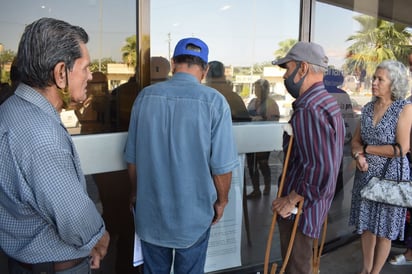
317 69
398 75
44 44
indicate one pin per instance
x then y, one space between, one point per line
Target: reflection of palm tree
377 40
284 47
129 51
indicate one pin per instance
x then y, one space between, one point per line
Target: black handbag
394 192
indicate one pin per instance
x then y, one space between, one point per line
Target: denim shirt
180 135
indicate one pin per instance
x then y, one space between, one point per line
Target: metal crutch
274 218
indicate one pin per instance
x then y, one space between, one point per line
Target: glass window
355 43
243 37
111 26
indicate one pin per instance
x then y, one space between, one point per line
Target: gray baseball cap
306 52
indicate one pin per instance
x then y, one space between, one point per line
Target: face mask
292 87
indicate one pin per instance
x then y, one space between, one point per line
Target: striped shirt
319 131
46 214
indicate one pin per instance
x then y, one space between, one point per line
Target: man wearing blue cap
180 153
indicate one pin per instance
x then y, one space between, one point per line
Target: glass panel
355 44
244 37
111 26
334 41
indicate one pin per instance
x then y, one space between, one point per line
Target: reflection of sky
118 21
238 32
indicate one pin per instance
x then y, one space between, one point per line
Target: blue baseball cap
192 46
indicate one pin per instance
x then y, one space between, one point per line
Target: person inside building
216 79
333 80
261 108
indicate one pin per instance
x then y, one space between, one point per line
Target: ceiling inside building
399 11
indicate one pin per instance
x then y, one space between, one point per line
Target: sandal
400 260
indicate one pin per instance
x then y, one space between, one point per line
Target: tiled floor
348 260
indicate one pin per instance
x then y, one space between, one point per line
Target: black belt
57 266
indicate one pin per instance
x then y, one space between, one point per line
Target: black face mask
292 87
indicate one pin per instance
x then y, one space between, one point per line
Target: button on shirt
46 214
317 149
180 135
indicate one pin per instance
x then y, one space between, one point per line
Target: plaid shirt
46 214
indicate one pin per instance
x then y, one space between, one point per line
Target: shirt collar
309 93
32 96
184 76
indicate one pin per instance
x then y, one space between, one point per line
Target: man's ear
304 68
60 74
204 73
172 66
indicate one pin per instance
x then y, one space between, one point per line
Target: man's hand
219 208
99 251
222 185
284 206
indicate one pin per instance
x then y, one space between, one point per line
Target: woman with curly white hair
385 120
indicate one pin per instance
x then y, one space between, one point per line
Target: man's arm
131 168
99 251
222 184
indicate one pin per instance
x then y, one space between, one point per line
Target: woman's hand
361 163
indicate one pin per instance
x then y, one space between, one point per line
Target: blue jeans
191 260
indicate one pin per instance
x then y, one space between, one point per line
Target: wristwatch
356 155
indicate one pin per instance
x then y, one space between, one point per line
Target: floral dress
383 220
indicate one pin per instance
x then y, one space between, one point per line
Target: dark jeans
256 161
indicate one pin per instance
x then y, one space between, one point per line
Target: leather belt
58 266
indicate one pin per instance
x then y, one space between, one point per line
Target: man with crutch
318 137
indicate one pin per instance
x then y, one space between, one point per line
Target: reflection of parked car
350 84
284 103
356 107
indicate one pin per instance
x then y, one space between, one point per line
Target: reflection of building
1 60
274 75
241 80
118 74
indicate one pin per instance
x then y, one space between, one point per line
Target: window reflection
355 44
244 35
112 46
243 38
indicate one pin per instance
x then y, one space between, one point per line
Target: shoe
266 191
400 260
254 194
